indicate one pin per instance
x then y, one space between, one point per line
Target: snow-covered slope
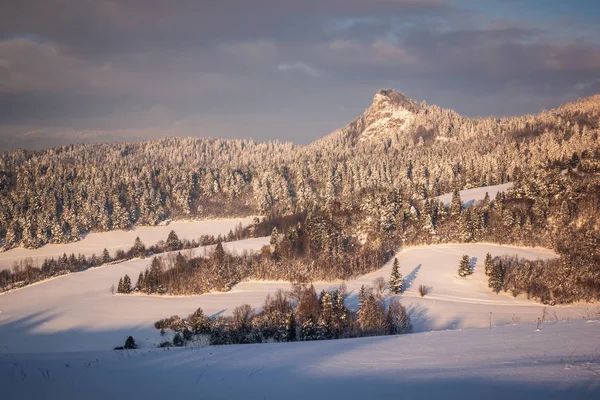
123 240
560 361
469 196
78 312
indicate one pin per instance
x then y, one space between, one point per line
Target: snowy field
123 240
77 312
560 361
469 196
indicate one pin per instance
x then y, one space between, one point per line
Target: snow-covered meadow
77 312
95 242
469 196
56 336
561 360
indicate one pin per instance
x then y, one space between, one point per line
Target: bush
165 343
423 290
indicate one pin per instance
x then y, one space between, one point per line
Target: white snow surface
77 312
95 242
469 196
561 360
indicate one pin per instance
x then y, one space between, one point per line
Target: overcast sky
86 70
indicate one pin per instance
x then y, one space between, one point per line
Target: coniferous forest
340 205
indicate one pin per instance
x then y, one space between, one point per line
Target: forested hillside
413 151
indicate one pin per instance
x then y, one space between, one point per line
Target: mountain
419 150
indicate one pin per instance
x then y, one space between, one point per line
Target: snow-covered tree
464 268
396 283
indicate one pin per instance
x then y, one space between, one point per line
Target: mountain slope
421 151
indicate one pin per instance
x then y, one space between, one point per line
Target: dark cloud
267 69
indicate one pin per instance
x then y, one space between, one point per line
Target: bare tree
380 285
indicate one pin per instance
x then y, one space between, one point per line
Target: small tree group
464 268
124 285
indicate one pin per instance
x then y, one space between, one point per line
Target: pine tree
464 267
396 283
489 264
120 286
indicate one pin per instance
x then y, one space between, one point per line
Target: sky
128 70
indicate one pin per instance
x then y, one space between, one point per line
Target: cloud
149 65
300 66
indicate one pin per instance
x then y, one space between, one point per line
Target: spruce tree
464 268
154 275
138 249
361 297
105 256
140 282
130 343
327 307
290 327
120 286
308 330
274 245
178 340
172 242
496 277
126 284
489 264
455 204
218 255
340 312
396 283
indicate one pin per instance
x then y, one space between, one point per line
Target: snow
469 196
77 312
123 240
515 362
56 336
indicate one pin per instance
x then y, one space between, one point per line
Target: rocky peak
390 111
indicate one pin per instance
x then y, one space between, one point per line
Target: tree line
25 271
58 194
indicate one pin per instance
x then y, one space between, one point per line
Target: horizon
105 71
